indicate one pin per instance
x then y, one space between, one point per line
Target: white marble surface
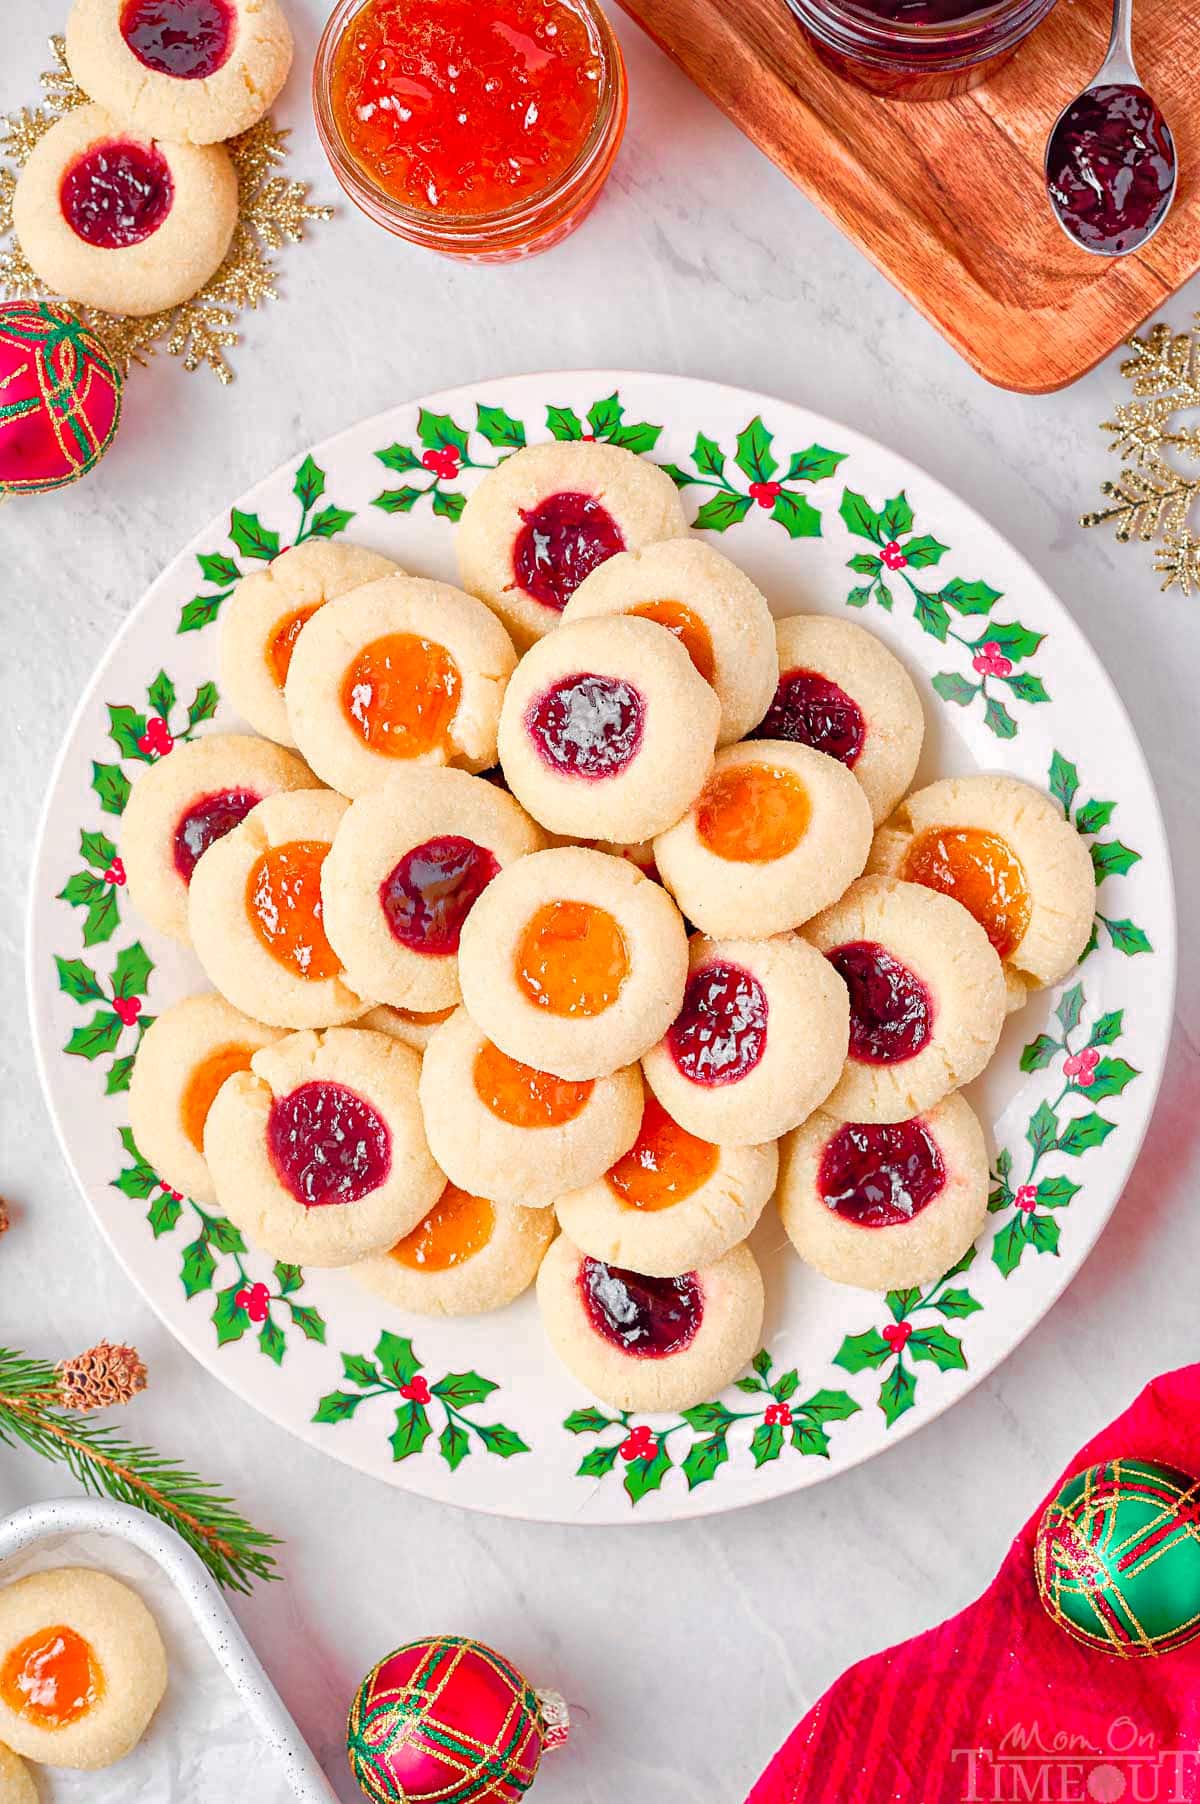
689 1651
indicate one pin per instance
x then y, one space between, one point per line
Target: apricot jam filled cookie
885 1205
776 834
467 1256
714 610
194 71
672 1202
318 1152
1004 851
122 221
842 692
185 802
257 918
408 864
644 1343
82 1668
517 1134
758 1043
183 1059
926 997
398 671
266 614
573 962
607 732
550 515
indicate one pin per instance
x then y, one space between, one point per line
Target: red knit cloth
999 1703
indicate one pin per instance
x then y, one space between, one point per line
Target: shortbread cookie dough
646 1343
399 670
607 731
16 1780
927 999
885 1206
186 801
573 962
551 514
82 1667
842 692
467 1256
758 1043
257 919
412 1027
776 834
1004 850
408 864
318 1152
519 1134
194 71
268 611
673 1202
183 1059
718 615
121 221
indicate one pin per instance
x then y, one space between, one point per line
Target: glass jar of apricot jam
917 49
483 129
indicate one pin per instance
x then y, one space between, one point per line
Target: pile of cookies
585 897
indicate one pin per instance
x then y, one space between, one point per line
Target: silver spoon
1111 167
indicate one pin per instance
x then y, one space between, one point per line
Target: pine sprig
107 1465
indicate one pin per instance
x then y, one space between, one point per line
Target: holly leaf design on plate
251 537
111 786
499 428
798 517
396 1359
309 485
722 511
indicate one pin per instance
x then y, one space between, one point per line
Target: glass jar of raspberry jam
917 49
483 129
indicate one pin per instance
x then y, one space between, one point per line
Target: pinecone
101 1377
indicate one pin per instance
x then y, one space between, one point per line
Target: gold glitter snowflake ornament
272 211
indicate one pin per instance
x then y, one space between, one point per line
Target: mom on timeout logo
1030 1766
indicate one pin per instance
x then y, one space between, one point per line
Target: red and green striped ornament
60 397
1117 1557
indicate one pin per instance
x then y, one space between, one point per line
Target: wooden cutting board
947 197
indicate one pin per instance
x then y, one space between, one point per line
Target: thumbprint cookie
672 1202
718 615
401 670
775 835
551 514
644 1343
885 1205
926 997
412 1027
318 1153
122 221
573 962
408 863
520 1134
607 732
467 1256
16 1780
758 1043
842 692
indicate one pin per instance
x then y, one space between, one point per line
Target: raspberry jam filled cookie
183 1059
759 1042
398 671
885 1205
550 515
926 997
257 918
266 614
194 71
408 864
82 1668
1005 852
469 1255
183 803
520 1134
607 731
714 610
318 1152
672 1202
644 1343
842 692
573 962
776 834
121 221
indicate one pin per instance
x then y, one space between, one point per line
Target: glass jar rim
895 32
